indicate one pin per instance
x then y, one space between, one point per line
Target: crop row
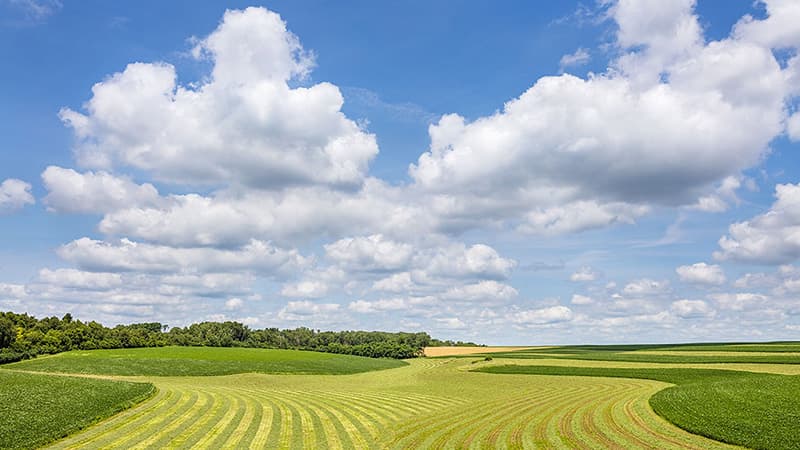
235 412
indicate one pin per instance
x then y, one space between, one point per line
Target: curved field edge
735 407
36 409
202 361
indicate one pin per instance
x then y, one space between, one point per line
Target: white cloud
585 273
453 323
778 30
553 314
578 299
305 289
234 303
14 194
646 287
579 216
793 127
10 291
90 192
390 304
305 310
127 255
671 122
702 273
371 253
743 301
692 309
580 57
72 278
486 291
242 124
398 282
769 238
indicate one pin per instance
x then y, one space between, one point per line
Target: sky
615 171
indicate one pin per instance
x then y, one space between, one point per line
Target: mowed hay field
428 403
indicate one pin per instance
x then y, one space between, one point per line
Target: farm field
452 402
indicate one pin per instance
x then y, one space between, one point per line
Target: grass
435 402
37 409
426 404
202 361
742 408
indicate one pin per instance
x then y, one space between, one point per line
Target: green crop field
37 409
449 402
194 361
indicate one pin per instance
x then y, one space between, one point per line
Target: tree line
23 336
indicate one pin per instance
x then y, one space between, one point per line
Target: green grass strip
741 408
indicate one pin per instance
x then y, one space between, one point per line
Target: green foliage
200 361
8 332
37 409
28 337
449 343
742 408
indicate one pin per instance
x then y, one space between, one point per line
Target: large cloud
244 124
671 118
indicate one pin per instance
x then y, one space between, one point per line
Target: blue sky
509 173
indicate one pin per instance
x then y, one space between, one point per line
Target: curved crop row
443 407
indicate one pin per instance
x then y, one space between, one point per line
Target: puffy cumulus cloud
369 253
778 30
90 192
243 124
398 282
673 121
14 194
456 260
233 216
692 309
579 216
585 273
724 195
702 273
126 255
543 316
769 238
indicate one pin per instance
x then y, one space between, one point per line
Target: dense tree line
23 336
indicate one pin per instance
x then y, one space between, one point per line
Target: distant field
37 409
452 351
445 403
201 361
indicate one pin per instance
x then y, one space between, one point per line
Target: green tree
7 332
